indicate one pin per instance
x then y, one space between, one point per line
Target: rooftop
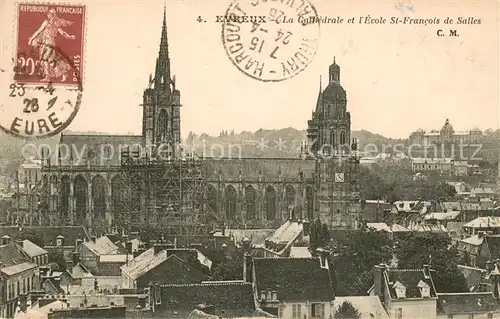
235 298
466 303
409 278
102 246
294 278
33 250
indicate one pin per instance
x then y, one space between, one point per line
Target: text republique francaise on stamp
41 93
259 42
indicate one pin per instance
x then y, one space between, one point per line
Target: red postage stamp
50 44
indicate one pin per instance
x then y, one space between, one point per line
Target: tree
57 257
414 249
229 269
347 311
319 236
354 258
33 237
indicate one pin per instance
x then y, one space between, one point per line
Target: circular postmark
270 40
40 108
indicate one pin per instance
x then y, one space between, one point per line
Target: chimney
159 247
305 227
128 247
427 271
245 267
5 239
480 234
140 250
489 266
141 301
78 242
23 302
152 242
75 257
93 238
379 283
20 242
60 240
323 257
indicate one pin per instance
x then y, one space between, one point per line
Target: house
294 288
380 227
479 249
18 275
61 239
459 187
474 277
486 192
468 305
473 208
37 254
226 299
163 266
374 211
407 212
489 224
405 293
64 309
442 218
469 248
291 233
102 257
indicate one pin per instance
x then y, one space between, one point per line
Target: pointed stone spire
162 72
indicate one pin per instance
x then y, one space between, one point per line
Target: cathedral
147 181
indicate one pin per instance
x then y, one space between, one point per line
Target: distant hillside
272 143
284 142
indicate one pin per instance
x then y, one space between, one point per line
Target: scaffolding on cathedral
169 194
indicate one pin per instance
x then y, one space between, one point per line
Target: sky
398 78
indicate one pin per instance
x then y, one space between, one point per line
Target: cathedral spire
162 72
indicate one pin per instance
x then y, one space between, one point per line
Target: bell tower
329 129
336 171
161 105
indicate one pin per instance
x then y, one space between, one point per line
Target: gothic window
64 198
250 199
309 201
230 202
81 196
342 138
270 202
99 196
290 200
162 124
212 199
332 139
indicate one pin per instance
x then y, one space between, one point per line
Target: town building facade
446 135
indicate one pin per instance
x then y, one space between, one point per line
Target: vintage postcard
297 159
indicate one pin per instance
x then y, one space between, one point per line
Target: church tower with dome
329 130
337 164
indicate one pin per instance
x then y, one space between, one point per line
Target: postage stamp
44 33
270 41
42 92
